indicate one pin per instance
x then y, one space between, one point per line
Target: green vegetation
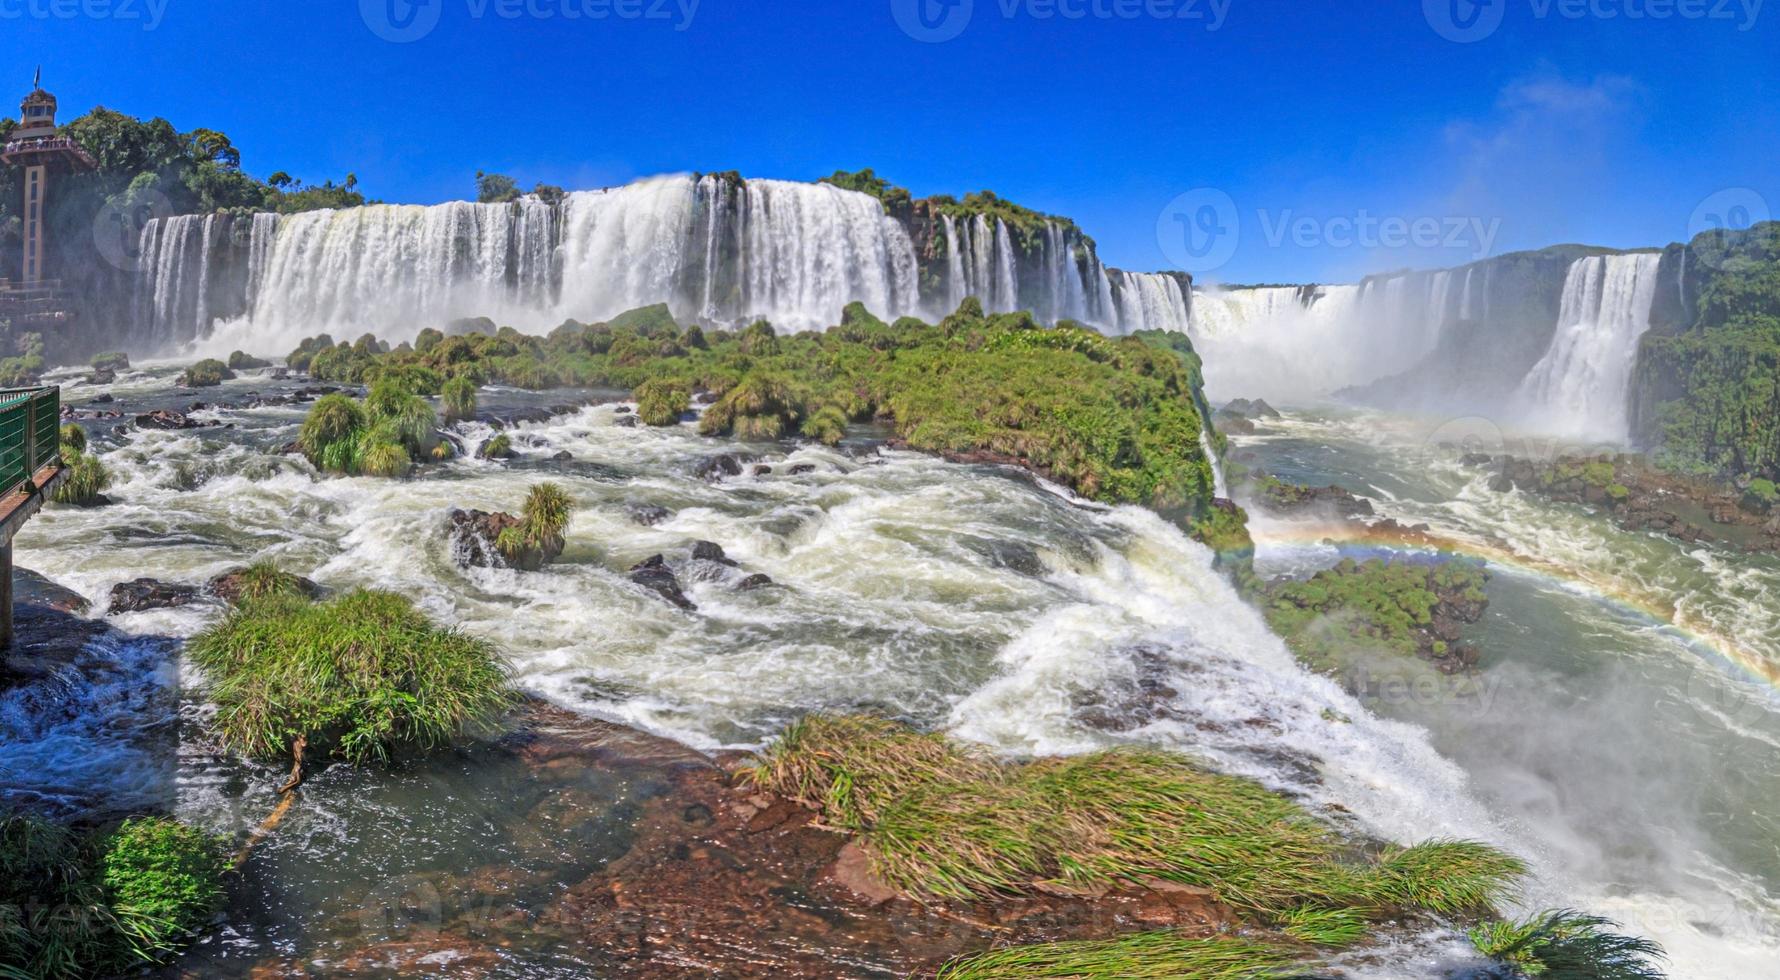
111 361
1761 496
938 821
896 199
1139 956
1567 945
207 373
538 537
23 370
1710 395
87 476
385 435
500 446
82 905
1358 607
264 579
243 361
1116 419
661 401
459 398
356 678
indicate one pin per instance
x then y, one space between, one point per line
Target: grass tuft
356 677
459 398
1139 956
1568 945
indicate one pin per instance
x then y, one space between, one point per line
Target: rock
1501 483
1243 408
143 594
227 586
626 422
621 409
563 456
799 469
715 468
711 551
652 573
102 376
1476 459
104 399
1234 425
647 515
169 420
473 534
756 581
29 586
762 470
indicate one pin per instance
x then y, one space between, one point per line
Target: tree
495 188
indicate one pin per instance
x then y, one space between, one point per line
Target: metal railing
30 433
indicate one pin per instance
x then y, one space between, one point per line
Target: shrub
427 339
459 397
164 878
828 425
760 406
111 360
93 905
355 678
243 361
207 373
661 401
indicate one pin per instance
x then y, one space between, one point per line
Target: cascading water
714 248
1579 389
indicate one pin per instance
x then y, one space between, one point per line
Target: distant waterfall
714 248
1310 341
1580 387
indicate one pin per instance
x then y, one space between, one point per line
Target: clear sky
1553 122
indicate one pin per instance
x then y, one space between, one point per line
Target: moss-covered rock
207 373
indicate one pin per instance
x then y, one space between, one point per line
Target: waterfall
714 248
1580 387
1220 488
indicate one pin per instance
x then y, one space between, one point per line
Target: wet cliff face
1706 393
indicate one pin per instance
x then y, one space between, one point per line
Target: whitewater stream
1625 758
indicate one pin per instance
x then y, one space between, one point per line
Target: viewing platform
30 470
35 305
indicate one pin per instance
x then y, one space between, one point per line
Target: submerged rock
647 515
712 551
169 420
759 580
717 467
652 573
799 469
142 594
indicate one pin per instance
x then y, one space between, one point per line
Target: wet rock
142 594
647 515
500 447
715 468
32 587
1501 483
621 409
652 573
228 585
169 420
626 422
563 456
104 399
102 376
1011 555
759 580
762 470
473 533
712 551
799 469
1246 409
1476 459
1234 425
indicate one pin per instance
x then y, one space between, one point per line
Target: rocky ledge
1641 497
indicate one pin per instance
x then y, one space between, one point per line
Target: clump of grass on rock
385 435
459 398
103 903
87 477
207 373
357 678
939 821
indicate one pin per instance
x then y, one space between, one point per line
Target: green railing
30 420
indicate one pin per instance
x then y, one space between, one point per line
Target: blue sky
1298 120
